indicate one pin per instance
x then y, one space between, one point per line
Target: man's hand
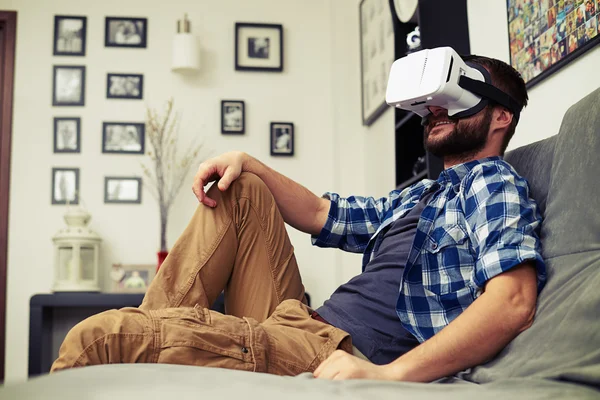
226 168
341 365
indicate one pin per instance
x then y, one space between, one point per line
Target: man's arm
299 207
506 308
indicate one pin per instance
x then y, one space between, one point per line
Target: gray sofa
558 357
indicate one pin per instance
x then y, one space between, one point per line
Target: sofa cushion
534 161
564 341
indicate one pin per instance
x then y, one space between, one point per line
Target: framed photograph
282 139
125 32
65 185
67 135
69 35
377 52
233 116
258 47
122 190
131 278
123 137
546 35
124 86
68 85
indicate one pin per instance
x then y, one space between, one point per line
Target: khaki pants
242 247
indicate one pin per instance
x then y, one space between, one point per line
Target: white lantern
76 254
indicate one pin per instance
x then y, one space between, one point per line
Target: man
451 268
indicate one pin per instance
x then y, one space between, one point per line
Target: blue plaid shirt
479 223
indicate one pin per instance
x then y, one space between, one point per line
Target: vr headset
440 77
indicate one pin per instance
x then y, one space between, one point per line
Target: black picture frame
111 40
56 200
377 53
546 36
126 147
56 101
226 127
57 51
59 145
277 147
140 88
108 197
267 58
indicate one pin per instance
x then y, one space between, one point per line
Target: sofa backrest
564 341
534 162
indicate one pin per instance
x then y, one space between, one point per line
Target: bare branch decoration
167 168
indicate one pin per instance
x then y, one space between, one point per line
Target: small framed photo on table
282 139
124 86
68 85
123 137
131 278
122 190
233 119
125 32
258 47
67 135
65 185
69 35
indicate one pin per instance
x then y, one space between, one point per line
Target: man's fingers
202 178
325 367
207 201
228 177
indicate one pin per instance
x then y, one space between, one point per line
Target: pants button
244 350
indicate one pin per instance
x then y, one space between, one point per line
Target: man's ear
501 118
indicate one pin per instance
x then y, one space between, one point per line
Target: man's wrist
246 160
252 165
396 371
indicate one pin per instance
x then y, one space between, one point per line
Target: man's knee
75 349
248 179
250 185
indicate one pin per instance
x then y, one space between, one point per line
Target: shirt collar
456 173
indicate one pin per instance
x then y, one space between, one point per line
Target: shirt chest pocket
447 262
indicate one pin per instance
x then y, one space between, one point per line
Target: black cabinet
51 316
441 23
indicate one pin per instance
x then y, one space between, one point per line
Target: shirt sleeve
503 223
352 221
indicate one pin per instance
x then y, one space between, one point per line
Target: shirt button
244 350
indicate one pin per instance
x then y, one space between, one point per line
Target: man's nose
436 111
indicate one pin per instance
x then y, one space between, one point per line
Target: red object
161 258
315 315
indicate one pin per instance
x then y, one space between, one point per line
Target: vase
161 258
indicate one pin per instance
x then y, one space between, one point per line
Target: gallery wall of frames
546 35
257 47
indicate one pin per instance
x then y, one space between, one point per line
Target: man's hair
507 79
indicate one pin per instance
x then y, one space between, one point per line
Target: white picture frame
377 54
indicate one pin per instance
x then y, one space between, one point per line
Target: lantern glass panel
87 263
65 254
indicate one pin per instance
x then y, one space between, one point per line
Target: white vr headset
440 77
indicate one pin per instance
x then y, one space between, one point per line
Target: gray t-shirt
365 307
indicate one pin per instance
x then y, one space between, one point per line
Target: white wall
319 91
365 158
549 99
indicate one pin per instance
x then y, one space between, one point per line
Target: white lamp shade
186 52
407 10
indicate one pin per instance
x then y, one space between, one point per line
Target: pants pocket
197 336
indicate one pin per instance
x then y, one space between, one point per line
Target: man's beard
465 140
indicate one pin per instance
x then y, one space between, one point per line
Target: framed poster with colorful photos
376 56
545 35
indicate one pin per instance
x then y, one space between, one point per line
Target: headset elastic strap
491 92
